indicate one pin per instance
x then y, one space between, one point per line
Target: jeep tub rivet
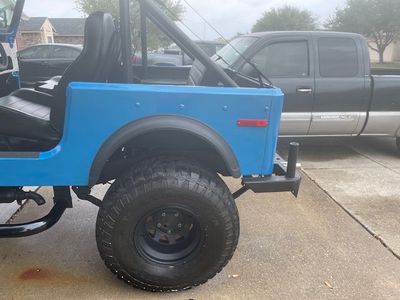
137 104
225 108
182 106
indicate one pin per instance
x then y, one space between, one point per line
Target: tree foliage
285 18
156 39
378 20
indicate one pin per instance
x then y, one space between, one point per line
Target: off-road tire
167 182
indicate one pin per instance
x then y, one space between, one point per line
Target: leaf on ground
328 285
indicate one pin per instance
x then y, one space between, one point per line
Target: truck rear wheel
167 225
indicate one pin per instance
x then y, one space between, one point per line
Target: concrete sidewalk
289 249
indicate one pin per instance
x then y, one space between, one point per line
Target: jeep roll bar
165 24
126 39
149 10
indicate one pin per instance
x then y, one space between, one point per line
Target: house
43 30
69 30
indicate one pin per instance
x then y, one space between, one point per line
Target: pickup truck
327 81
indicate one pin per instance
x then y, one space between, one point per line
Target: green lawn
391 65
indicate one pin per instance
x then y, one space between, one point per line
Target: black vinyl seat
29 114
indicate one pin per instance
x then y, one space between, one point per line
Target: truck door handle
305 90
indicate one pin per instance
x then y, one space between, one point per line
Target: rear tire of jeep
167 225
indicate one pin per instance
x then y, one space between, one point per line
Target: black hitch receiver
284 179
62 201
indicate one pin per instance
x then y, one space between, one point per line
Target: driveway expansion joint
348 212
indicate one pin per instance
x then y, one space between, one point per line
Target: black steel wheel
167 225
168 236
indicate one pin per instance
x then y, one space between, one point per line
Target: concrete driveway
307 248
362 175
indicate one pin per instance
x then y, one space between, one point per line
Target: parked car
43 61
327 81
174 56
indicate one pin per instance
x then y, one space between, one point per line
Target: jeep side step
62 201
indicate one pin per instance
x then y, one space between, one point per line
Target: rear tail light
252 123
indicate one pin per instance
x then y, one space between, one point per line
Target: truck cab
327 80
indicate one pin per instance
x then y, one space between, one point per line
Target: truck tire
167 225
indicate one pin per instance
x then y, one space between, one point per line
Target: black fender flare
168 122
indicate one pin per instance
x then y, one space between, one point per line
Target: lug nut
179 225
169 231
176 214
163 214
159 225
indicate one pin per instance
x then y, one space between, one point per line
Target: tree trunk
381 52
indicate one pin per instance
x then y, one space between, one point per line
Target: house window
50 39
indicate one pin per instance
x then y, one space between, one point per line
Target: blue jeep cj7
168 221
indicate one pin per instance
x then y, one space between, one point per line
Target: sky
228 16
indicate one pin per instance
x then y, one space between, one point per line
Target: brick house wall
74 40
41 30
27 39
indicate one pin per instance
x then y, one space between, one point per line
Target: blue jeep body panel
96 111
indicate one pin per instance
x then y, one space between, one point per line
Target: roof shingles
68 26
32 24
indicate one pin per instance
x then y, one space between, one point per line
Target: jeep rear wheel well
163 135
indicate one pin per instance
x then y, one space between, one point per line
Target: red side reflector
252 123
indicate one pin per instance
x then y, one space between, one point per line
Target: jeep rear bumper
284 179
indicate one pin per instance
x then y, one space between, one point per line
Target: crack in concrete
374 161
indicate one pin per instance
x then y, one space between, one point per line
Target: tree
377 20
156 39
285 18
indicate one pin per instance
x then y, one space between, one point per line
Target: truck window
283 59
230 54
337 57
